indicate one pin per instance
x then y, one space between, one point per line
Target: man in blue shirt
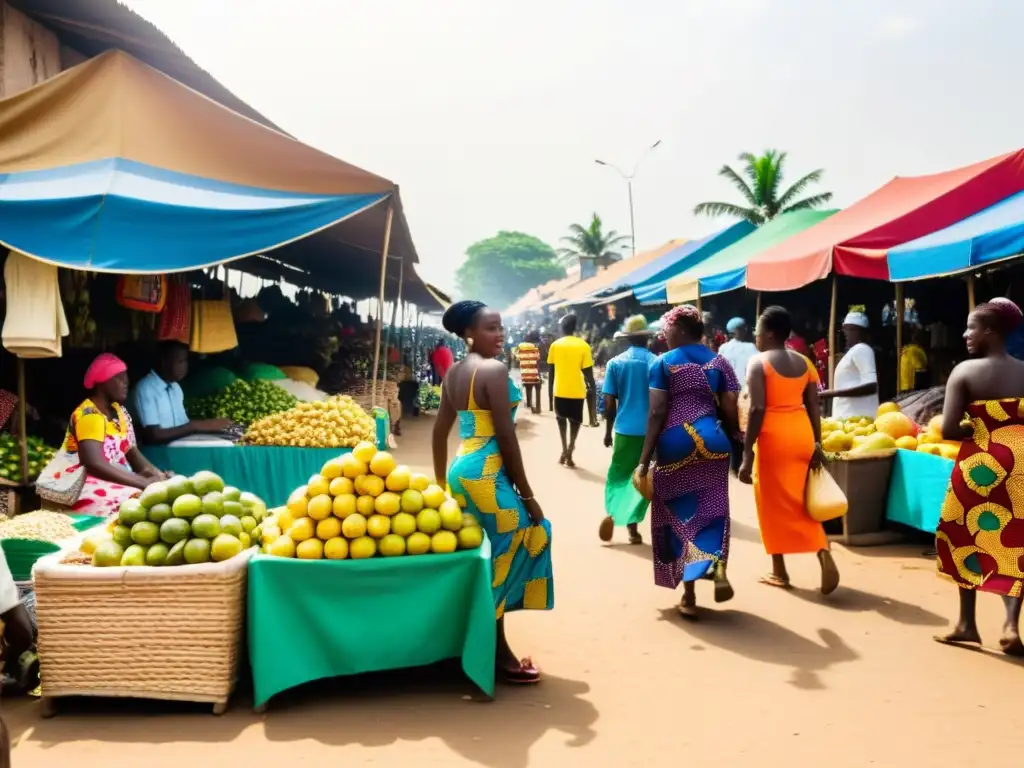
626 401
158 404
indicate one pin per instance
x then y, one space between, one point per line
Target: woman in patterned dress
980 538
100 438
487 477
690 385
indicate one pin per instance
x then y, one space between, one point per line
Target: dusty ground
774 679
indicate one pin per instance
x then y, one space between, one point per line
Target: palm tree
593 244
761 188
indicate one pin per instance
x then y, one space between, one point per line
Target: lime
134 555
254 505
231 493
233 508
160 512
230 525
213 503
197 551
145 533
174 530
107 553
224 547
131 512
176 554
248 523
206 526
178 485
157 555
153 494
206 482
122 534
187 506
246 540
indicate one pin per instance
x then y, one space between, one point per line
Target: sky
490 115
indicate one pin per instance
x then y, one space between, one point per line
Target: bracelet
526 498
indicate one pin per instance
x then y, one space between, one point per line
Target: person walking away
626 404
690 507
528 353
783 441
981 525
158 403
913 361
572 373
856 379
441 360
739 350
488 479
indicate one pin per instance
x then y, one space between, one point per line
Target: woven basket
152 633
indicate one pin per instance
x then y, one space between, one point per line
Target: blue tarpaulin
995 233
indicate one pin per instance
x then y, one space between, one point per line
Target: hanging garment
176 319
35 319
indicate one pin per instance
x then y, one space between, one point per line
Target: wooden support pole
22 421
380 305
970 293
757 312
832 335
899 333
394 318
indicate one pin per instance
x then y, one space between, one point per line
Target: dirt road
772 679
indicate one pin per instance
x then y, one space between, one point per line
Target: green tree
760 187
592 243
502 268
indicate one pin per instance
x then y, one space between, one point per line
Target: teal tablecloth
310 620
270 472
917 489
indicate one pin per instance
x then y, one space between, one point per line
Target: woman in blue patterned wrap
487 476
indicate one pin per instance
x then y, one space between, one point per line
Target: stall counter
917 489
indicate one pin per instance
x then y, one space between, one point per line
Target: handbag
62 480
823 497
143 293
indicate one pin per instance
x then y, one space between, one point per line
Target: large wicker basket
152 633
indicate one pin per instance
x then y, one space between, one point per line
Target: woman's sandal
687 610
723 589
772 580
635 537
525 674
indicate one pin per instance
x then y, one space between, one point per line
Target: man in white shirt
856 379
739 350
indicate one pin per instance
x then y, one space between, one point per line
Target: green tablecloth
310 620
917 489
270 472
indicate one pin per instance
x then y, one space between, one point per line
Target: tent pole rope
970 293
383 273
899 333
22 422
832 335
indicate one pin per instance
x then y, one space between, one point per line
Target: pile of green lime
181 521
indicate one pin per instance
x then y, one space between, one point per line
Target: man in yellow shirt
913 360
572 373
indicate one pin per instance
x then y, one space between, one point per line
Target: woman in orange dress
782 443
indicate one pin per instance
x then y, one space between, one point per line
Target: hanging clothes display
35 320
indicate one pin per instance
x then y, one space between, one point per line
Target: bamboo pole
758 309
970 293
22 421
394 317
899 333
383 274
832 335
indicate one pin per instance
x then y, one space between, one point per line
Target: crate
865 481
171 633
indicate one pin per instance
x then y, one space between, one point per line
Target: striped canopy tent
856 240
112 166
727 269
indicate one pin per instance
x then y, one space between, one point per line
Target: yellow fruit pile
361 504
338 422
930 441
890 429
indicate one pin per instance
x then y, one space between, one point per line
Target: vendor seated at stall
158 404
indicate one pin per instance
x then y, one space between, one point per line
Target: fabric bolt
980 538
690 509
739 354
35 320
529 359
523 575
913 360
627 379
571 356
311 620
622 502
857 367
101 497
569 408
782 456
157 403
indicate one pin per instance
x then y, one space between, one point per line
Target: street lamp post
629 187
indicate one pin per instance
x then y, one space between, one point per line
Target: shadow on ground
857 601
766 642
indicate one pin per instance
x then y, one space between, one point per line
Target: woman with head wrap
100 438
690 385
487 477
981 527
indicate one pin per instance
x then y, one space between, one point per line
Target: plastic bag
824 498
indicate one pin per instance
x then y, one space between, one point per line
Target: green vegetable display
429 397
242 402
39 455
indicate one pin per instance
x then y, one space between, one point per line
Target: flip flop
636 538
778 582
1013 647
606 530
829 573
950 639
688 612
526 674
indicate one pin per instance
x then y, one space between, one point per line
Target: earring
469 342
